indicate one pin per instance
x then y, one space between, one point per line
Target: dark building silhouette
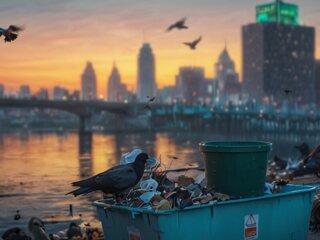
317 83
24 92
43 94
190 83
278 54
1 90
60 93
146 85
117 91
75 95
88 83
228 87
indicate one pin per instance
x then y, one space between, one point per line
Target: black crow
178 25
10 33
115 180
193 44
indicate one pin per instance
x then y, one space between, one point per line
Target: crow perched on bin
115 180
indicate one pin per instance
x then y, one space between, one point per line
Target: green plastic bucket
236 168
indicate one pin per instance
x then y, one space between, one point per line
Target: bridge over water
83 109
180 116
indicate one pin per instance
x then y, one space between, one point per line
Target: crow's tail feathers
80 191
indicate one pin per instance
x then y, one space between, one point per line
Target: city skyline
45 55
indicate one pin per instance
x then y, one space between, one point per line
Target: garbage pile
158 191
307 163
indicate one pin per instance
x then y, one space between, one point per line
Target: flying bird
287 91
193 44
115 180
178 25
147 107
152 99
10 33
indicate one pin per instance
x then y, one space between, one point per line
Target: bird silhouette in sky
178 25
193 44
150 100
10 33
287 91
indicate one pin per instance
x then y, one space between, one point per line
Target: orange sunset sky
60 36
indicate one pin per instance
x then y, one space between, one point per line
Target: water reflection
85 155
47 163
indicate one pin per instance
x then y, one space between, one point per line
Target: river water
37 169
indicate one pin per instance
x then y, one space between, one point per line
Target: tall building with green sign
278 54
279 12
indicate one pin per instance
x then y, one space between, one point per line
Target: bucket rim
235 146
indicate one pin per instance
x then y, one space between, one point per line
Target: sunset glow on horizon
60 37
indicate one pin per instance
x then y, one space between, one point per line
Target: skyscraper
60 93
116 90
227 79
146 85
88 83
24 92
317 82
1 90
43 94
190 83
278 54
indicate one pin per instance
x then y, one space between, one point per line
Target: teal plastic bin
282 216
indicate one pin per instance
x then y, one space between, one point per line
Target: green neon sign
278 12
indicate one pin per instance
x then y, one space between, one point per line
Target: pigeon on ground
178 25
115 180
193 44
15 234
36 228
10 33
